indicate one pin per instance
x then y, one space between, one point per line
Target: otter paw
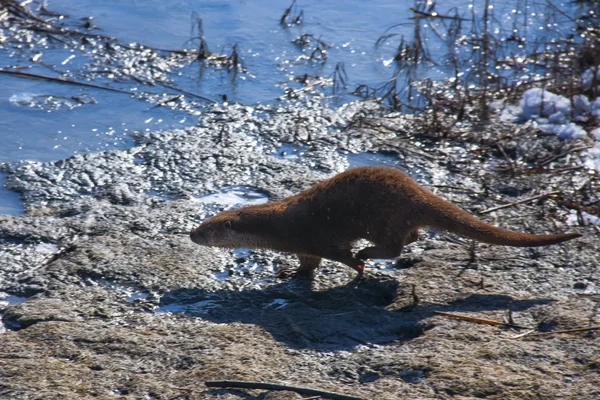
286 272
359 266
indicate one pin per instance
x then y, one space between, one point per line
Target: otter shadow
338 318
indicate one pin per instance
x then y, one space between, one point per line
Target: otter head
250 227
219 231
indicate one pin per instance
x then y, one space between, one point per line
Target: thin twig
168 100
592 328
539 196
522 335
534 170
68 246
556 157
421 14
415 298
274 386
188 92
480 320
533 332
510 162
460 189
60 79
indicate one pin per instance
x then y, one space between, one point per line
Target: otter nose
197 236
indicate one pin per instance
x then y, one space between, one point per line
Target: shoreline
126 298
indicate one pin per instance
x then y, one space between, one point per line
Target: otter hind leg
386 249
308 264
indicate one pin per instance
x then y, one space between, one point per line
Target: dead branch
533 332
592 328
539 196
274 386
556 157
61 79
480 320
510 162
192 94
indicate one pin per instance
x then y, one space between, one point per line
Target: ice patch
373 159
277 304
6 299
138 295
49 102
234 196
23 99
10 200
46 248
289 151
200 307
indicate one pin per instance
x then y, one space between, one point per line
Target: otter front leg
412 237
308 264
345 256
389 249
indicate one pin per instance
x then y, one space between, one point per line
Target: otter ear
228 225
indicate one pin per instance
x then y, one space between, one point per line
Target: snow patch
553 113
595 109
541 104
593 156
588 77
556 114
588 219
565 131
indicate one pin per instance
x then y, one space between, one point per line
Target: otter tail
447 216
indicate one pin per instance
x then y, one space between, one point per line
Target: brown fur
382 205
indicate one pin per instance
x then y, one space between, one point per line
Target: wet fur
382 205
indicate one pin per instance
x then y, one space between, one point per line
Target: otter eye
228 225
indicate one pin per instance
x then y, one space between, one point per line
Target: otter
380 204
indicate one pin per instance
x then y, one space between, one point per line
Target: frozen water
235 195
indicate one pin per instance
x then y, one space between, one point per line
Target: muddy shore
105 295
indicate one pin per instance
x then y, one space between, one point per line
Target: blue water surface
350 27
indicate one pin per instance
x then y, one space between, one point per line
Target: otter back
382 205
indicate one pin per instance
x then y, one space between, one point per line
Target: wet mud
105 295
